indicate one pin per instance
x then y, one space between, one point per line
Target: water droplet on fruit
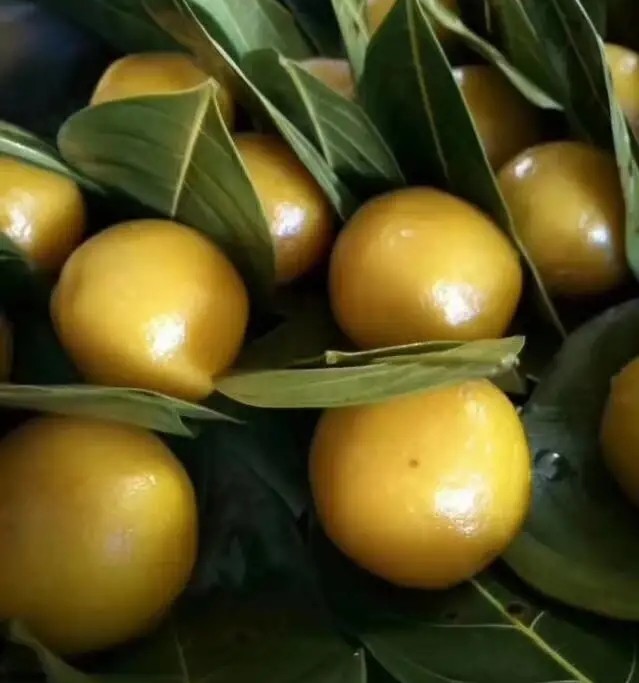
551 465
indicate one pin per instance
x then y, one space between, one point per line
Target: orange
298 213
98 533
419 265
567 206
156 73
42 212
334 73
151 304
624 68
424 490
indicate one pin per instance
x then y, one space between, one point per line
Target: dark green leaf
122 23
489 630
371 376
598 12
318 22
132 406
575 544
196 31
525 46
24 146
174 154
419 108
260 24
339 128
351 17
249 507
453 23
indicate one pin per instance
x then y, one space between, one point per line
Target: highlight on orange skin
421 265
423 490
157 73
567 205
298 213
151 304
42 212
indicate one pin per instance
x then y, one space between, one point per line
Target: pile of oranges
98 522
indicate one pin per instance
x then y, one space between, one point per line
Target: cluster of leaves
323 620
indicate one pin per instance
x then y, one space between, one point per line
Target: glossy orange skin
299 215
334 73
99 531
620 430
419 265
624 68
567 206
506 122
156 73
151 304
40 211
378 10
424 490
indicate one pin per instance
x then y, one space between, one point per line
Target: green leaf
575 543
132 406
260 24
24 146
354 29
339 128
506 634
367 377
251 487
419 108
452 22
174 154
196 31
572 46
524 46
124 24
318 22
223 639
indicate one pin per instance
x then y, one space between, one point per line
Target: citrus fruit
419 265
151 304
567 206
624 69
299 216
42 212
506 122
620 430
424 490
98 533
335 73
156 73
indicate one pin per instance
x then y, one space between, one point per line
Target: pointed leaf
419 108
132 406
351 17
339 128
575 544
373 376
24 146
452 22
506 634
174 154
196 31
260 24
